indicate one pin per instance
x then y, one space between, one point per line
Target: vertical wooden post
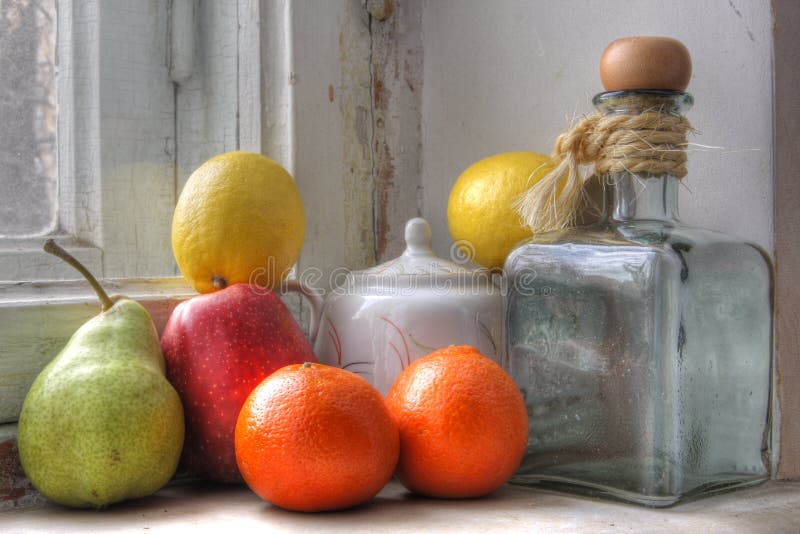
787 227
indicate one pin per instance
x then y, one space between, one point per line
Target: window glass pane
28 178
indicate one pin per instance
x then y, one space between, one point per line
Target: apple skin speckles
217 348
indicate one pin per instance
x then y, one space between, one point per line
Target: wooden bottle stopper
645 63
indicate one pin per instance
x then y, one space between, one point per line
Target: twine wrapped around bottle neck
650 143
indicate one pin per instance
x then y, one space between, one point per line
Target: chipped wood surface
356 130
396 60
358 110
354 134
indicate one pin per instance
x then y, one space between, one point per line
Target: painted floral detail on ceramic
404 357
382 319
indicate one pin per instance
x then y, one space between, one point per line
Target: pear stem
51 247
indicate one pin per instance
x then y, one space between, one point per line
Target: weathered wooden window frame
129 134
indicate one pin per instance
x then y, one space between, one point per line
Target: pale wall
509 75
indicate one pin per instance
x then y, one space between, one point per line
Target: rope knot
650 143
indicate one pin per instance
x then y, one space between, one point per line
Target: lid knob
634 63
418 236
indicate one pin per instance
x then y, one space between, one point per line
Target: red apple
217 348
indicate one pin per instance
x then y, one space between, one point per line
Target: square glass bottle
642 345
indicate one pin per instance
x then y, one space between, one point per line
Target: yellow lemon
239 219
480 211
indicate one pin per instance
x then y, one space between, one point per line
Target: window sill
24 259
37 319
772 507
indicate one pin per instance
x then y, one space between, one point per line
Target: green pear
101 423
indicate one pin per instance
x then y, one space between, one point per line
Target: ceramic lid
418 265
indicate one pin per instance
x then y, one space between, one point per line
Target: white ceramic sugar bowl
381 319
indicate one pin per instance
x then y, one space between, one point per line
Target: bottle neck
633 198
643 196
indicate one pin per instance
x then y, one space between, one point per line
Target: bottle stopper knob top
634 63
